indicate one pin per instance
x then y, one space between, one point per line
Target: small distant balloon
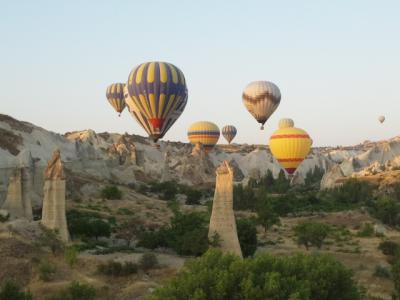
229 132
381 119
204 132
115 95
285 123
261 99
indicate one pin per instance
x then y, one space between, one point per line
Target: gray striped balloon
229 132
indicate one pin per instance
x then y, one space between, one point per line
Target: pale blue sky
337 63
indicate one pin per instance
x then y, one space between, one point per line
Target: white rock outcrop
18 201
53 211
222 220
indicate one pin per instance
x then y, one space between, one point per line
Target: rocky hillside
110 157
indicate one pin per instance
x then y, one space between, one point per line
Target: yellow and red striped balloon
204 132
290 146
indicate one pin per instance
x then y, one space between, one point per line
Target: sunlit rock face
126 159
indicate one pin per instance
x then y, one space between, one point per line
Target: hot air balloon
229 132
381 119
284 123
157 96
261 99
290 146
206 133
115 95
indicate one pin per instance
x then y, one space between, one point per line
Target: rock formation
53 211
18 202
222 219
332 178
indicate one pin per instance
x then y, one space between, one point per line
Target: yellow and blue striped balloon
229 132
204 132
115 95
157 96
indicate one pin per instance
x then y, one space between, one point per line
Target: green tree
217 276
388 210
11 291
396 276
247 234
311 234
111 193
266 215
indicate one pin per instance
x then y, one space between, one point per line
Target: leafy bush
382 272
218 276
4 218
187 235
154 239
166 190
114 268
50 239
46 271
76 291
311 234
247 234
71 255
148 261
389 248
366 231
111 193
266 216
87 224
388 210
396 276
193 197
11 291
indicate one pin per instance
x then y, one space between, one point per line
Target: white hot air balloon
381 119
261 99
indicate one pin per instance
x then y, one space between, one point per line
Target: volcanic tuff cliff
91 157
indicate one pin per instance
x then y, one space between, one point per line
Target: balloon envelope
261 99
229 132
157 96
290 146
381 119
285 123
204 132
115 95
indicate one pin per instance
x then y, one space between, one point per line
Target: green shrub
87 224
76 291
4 218
71 255
111 193
382 272
193 197
114 268
11 291
166 190
311 234
396 275
218 276
266 216
387 210
46 271
148 261
154 239
50 239
389 248
367 230
247 234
